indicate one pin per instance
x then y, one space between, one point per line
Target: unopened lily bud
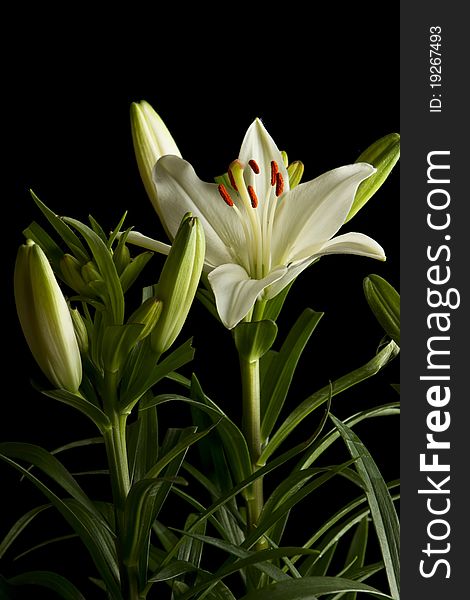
81 332
121 257
295 171
90 272
71 271
147 314
152 140
45 318
178 282
383 155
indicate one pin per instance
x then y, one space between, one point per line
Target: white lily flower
260 234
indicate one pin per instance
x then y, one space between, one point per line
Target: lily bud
71 271
147 314
178 282
383 155
45 318
152 140
81 332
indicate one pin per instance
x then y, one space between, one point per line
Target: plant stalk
116 450
251 426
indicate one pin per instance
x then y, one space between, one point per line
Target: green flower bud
90 273
295 171
45 318
152 140
147 314
71 271
121 257
81 332
178 282
383 155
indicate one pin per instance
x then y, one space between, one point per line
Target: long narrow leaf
281 371
69 237
318 398
52 581
94 535
381 505
19 526
48 464
107 269
309 588
91 411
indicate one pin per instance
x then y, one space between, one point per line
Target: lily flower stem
251 426
116 450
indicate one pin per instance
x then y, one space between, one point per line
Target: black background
325 85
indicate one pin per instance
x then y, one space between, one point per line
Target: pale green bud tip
152 140
179 281
147 314
81 332
383 155
384 301
45 318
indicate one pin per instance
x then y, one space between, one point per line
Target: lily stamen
254 198
274 172
225 195
279 184
254 166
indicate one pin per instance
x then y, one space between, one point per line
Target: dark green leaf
134 269
274 306
19 526
107 269
382 509
138 377
52 250
356 554
309 588
279 377
69 237
174 569
254 339
322 396
52 581
118 341
143 443
87 408
93 532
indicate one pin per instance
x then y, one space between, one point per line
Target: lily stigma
260 233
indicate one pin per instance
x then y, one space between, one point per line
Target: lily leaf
309 588
323 395
381 506
52 581
254 339
281 370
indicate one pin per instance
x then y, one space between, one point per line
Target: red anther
225 195
232 180
279 184
253 197
274 172
254 166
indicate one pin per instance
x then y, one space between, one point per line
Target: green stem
251 425
116 450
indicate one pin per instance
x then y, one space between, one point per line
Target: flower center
257 225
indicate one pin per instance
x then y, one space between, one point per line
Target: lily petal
180 191
235 293
314 211
293 270
143 241
353 243
258 145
